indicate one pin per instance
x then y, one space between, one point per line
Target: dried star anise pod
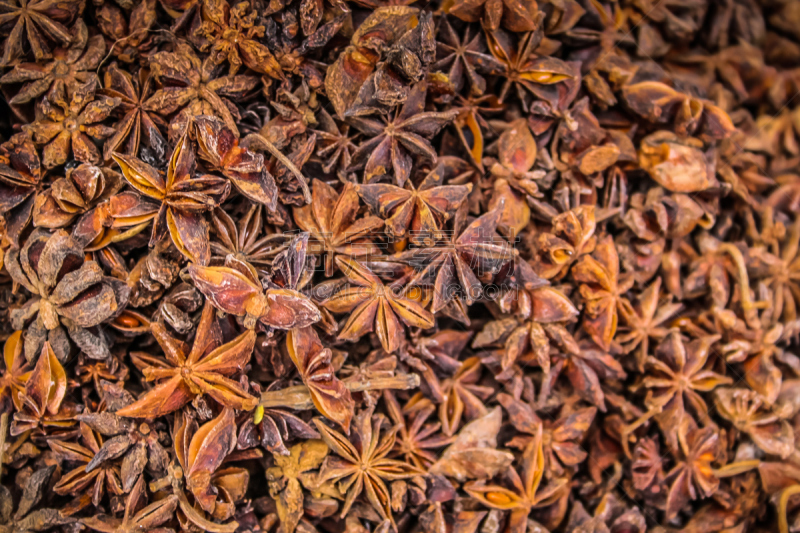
422 209
138 443
474 253
70 68
102 478
334 224
692 477
139 127
69 125
602 290
41 22
184 199
191 88
200 451
230 34
70 292
247 241
313 361
20 180
466 56
523 494
361 462
285 480
43 408
391 143
83 188
204 369
742 408
135 519
17 371
373 306
236 289
516 15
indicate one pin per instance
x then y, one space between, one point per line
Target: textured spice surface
386 266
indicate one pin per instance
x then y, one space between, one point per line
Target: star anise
70 125
391 143
135 519
470 124
515 180
139 127
205 369
313 361
138 443
561 437
645 320
465 55
246 240
572 236
602 290
285 480
693 477
336 144
545 77
232 34
102 478
678 374
21 518
416 440
83 188
333 223
281 308
374 307
192 88
463 396
474 253
40 21
422 209
362 464
200 452
20 179
742 408
522 494
43 407
69 69
15 373
273 429
184 198
71 292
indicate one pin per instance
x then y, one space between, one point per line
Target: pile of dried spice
352 266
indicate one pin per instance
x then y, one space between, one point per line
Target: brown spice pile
330 266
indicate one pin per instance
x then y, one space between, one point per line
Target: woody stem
748 305
783 504
299 397
3 431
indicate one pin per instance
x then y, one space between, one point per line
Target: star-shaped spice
184 198
70 125
39 21
391 144
192 88
423 209
185 373
138 126
69 68
361 463
374 306
602 289
333 222
522 494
